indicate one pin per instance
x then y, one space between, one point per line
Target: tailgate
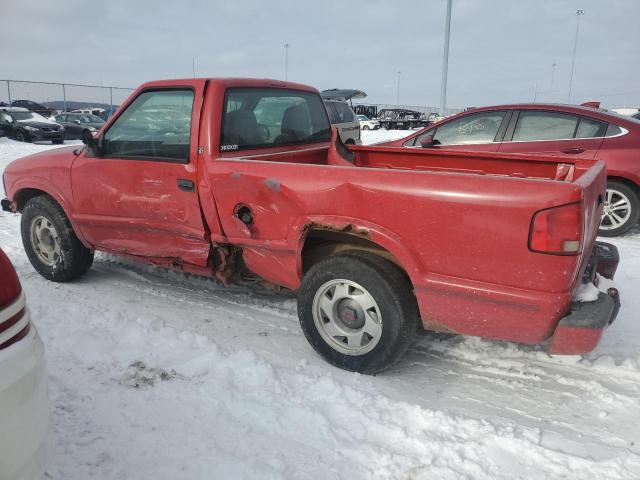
594 184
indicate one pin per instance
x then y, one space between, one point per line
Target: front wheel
20 136
358 311
621 209
365 127
50 242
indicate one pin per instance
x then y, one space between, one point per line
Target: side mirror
94 144
428 141
9 119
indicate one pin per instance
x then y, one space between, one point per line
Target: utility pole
286 61
553 75
445 60
398 91
193 66
579 13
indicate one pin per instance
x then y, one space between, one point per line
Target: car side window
344 112
481 127
334 118
590 128
538 125
156 125
613 130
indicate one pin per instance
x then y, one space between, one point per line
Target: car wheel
50 242
365 127
621 209
20 136
358 311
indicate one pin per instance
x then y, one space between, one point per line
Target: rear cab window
268 117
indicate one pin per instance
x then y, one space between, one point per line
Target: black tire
391 290
20 136
633 214
365 127
74 260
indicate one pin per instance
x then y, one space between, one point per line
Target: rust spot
348 228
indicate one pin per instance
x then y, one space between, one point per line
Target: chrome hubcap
45 241
617 210
347 317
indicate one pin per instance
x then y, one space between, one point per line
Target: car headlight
30 128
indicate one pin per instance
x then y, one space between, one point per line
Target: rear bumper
580 330
24 409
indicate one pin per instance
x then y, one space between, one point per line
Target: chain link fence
62 96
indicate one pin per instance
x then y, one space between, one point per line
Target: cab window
266 117
156 125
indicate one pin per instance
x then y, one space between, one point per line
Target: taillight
557 230
14 320
9 283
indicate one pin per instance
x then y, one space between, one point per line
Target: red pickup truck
231 177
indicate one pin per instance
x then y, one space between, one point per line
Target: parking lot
176 376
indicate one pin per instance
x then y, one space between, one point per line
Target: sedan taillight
14 321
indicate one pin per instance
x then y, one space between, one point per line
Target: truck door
138 194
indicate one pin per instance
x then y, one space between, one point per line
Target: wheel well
322 243
24 195
626 181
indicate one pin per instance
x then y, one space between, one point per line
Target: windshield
363 117
22 115
264 117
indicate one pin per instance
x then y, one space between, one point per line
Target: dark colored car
400 119
26 126
33 107
79 125
636 116
571 130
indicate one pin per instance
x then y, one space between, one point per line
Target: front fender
20 185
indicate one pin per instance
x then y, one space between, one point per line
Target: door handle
186 185
573 150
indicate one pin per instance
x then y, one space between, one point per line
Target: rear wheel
50 242
365 127
358 311
621 209
20 136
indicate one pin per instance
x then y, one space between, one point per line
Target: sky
501 51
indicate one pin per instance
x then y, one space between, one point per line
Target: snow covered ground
155 375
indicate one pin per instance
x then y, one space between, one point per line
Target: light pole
445 60
398 92
286 61
579 13
553 75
